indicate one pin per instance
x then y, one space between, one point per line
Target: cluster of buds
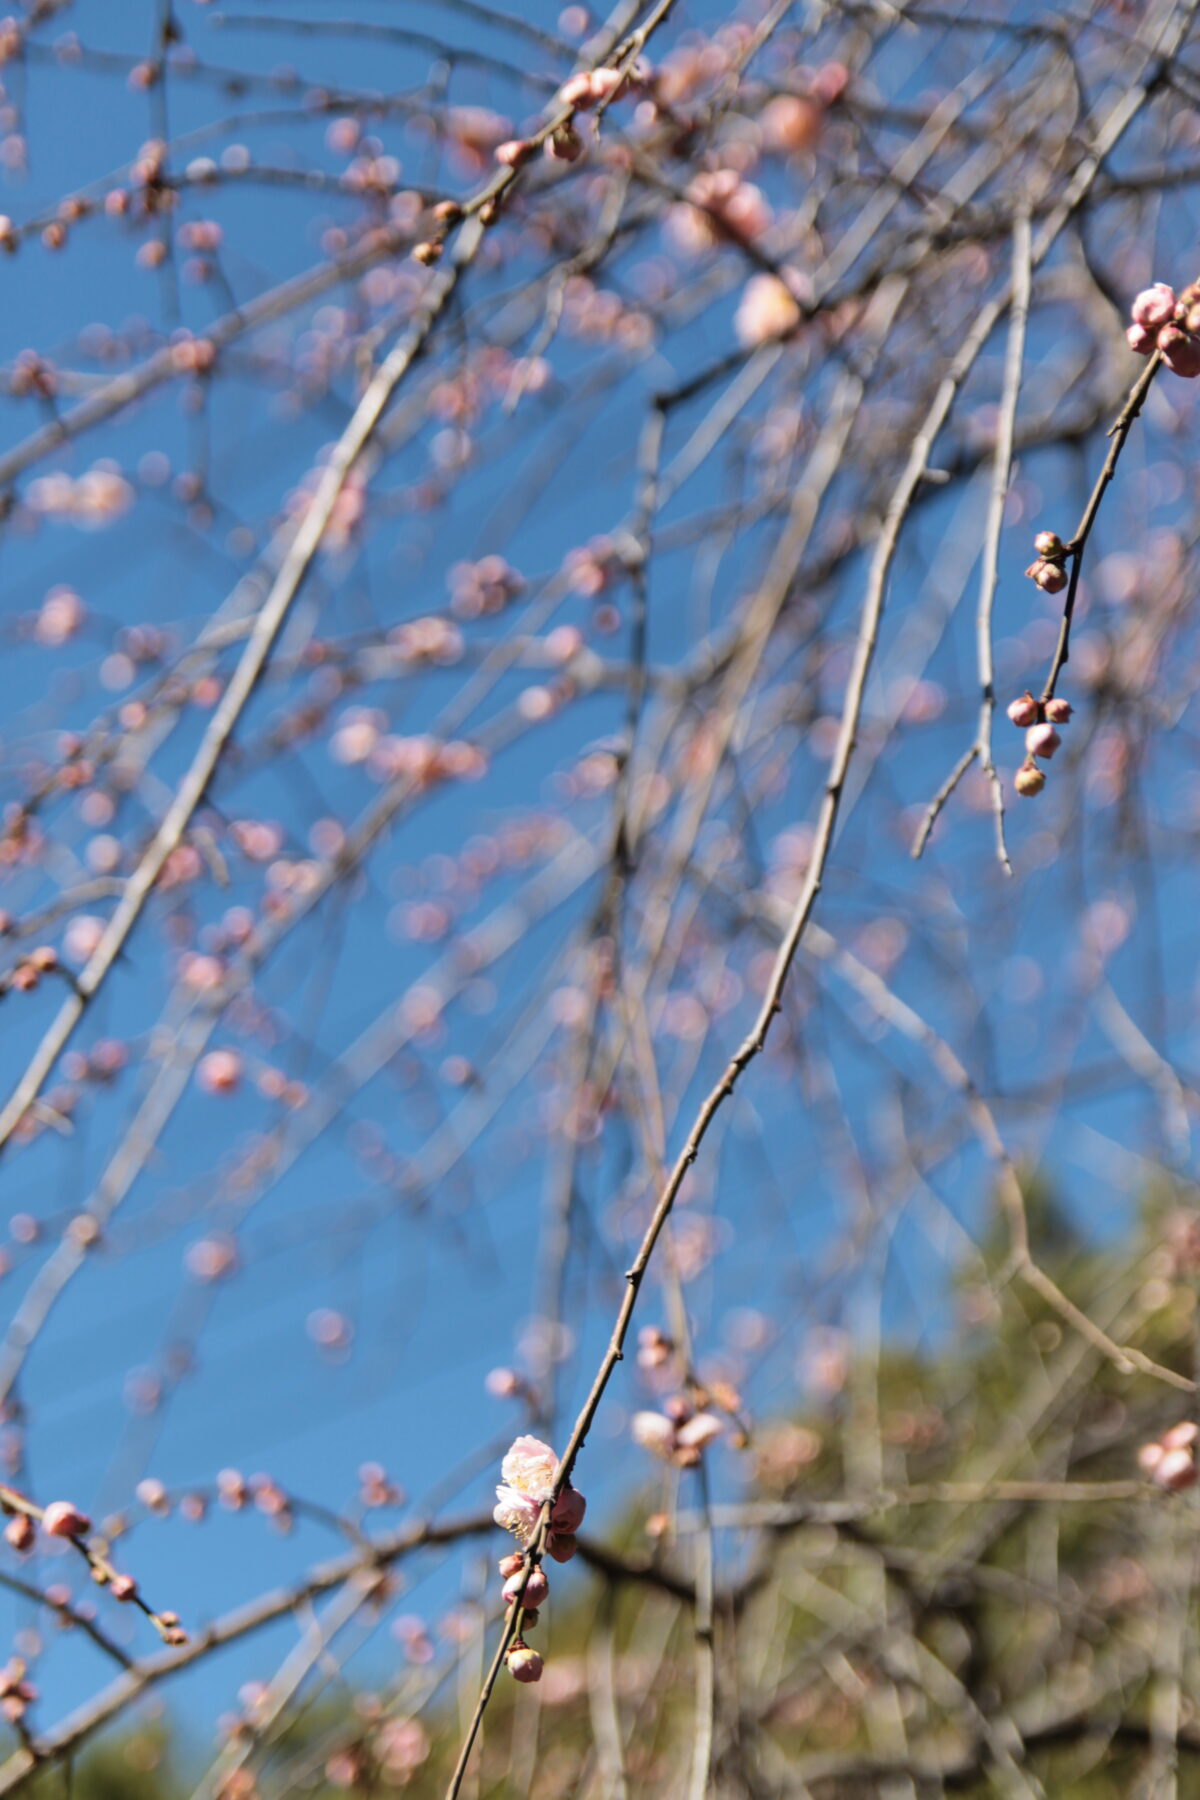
1170 324
1170 1461
530 1470
1038 719
679 1434
1047 567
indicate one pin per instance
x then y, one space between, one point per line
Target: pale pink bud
220 1071
511 1564
1180 351
1048 543
1042 740
122 1587
1149 1456
1058 711
1023 710
536 1588
1175 1470
605 84
1154 306
1180 1437
562 1545
153 1495
61 1519
503 1383
577 91
524 1664
1139 339
1029 780
514 152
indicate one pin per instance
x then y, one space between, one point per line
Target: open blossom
530 1470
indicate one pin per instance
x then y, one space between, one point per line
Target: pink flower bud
1023 711
1139 339
568 1510
1048 543
1029 780
514 152
606 84
1042 740
1180 1437
511 1564
1180 351
536 1588
524 1664
1149 1456
20 1532
1175 1470
122 1587
1154 306
61 1519
1058 711
577 91
562 1546
1050 577
564 145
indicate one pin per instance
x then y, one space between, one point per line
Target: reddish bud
1058 711
1180 351
20 1532
61 1519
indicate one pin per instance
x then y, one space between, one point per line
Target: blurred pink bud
220 1071
1029 780
1154 306
1023 710
1180 1437
565 145
153 1495
1058 711
511 1564
1048 543
512 153
1175 1470
1139 339
1049 576
700 1431
61 1519
524 1664
1149 1456
503 1383
654 1432
122 1587
562 1546
1042 740
20 1532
